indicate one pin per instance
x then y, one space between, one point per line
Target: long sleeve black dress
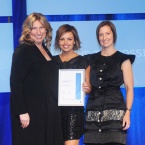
33 84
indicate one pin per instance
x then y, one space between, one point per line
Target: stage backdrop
129 19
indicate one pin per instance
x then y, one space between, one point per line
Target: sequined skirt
104 116
72 122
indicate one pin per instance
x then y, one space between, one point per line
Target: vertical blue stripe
5 123
78 86
19 15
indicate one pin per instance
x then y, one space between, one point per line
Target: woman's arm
129 83
19 69
86 84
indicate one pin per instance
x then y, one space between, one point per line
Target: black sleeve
88 57
91 57
126 56
85 62
19 69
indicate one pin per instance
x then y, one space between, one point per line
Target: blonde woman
34 112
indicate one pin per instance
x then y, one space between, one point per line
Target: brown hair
112 27
27 27
67 28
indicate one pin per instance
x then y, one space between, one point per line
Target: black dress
72 117
34 91
106 106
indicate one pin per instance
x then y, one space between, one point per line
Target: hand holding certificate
70 87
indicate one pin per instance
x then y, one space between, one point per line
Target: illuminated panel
57 7
5 7
6 50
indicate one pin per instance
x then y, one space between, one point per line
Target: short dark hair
67 28
112 27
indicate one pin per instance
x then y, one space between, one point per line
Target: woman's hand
25 120
126 120
86 88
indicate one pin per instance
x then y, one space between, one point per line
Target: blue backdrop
135 133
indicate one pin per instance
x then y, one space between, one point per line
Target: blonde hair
27 27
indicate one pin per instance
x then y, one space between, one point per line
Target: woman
34 112
67 40
107 114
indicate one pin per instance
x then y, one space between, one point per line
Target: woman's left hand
86 87
126 120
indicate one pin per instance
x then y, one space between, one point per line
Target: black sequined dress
106 106
72 116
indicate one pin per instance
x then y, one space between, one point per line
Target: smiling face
38 32
106 37
66 42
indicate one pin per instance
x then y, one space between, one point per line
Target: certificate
70 91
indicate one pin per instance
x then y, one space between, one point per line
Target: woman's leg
92 144
71 142
105 144
113 144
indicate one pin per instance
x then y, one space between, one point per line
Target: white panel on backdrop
130 40
6 50
5 7
58 7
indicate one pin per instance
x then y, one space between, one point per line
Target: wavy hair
27 27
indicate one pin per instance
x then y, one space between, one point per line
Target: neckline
109 55
46 50
68 60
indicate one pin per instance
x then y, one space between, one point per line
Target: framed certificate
70 91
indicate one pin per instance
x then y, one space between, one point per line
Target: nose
104 37
65 41
38 31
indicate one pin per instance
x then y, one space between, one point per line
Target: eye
100 35
34 28
61 39
41 27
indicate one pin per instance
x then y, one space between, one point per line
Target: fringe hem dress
106 106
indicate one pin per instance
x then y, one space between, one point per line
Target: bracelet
128 109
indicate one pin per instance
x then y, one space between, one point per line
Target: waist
95 88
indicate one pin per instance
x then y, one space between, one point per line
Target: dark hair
67 28
27 27
112 27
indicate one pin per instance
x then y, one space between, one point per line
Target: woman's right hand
86 88
25 120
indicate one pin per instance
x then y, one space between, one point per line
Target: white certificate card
70 91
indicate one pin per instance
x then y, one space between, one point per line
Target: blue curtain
19 14
137 129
